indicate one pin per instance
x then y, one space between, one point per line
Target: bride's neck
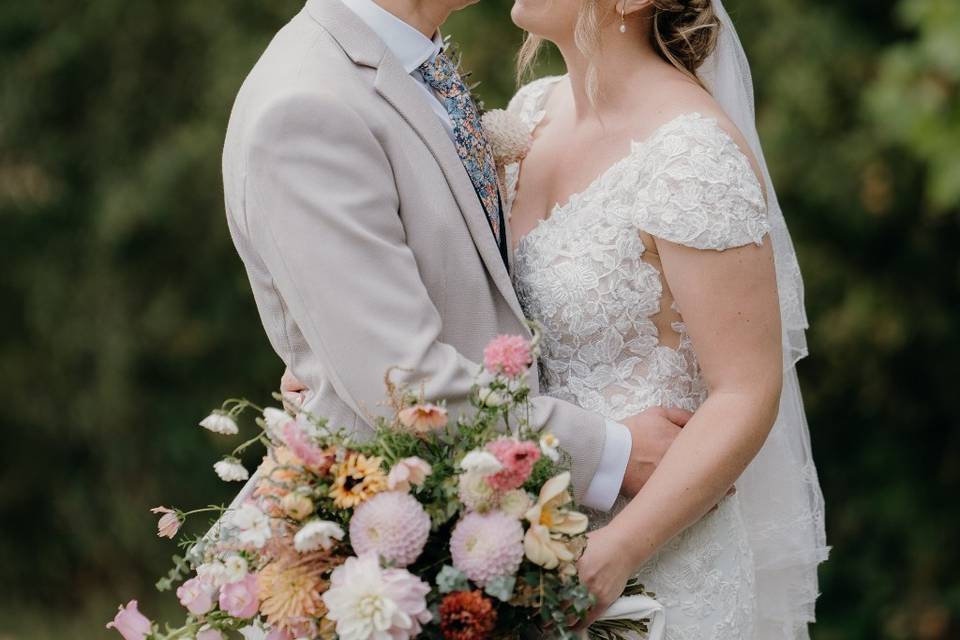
620 59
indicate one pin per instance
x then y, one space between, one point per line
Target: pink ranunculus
169 522
239 599
295 438
197 595
509 355
131 624
409 471
517 458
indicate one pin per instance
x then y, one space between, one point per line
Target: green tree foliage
127 313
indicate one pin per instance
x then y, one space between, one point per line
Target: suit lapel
400 91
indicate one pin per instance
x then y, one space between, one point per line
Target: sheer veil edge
779 492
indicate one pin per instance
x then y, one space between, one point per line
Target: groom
362 197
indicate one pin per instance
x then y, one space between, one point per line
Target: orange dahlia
291 587
357 478
467 615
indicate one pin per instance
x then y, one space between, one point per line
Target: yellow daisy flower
357 478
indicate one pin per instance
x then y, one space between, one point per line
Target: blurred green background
127 315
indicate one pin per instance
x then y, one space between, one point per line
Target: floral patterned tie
472 145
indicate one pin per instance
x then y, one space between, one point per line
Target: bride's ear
631 7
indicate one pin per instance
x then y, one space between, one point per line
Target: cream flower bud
297 506
481 463
317 534
549 446
491 398
515 503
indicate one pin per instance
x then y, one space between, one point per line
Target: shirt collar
407 45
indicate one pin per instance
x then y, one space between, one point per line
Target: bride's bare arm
729 303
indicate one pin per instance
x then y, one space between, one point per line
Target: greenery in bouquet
437 528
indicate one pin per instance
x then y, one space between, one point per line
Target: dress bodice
614 340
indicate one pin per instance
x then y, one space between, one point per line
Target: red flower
467 615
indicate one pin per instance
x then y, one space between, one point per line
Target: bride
650 246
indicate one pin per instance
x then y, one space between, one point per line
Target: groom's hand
652 432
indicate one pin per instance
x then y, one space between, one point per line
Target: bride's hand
603 570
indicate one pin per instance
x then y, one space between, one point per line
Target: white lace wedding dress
615 343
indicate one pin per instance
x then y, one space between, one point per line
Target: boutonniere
508 135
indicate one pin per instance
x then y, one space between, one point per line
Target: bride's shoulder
532 97
690 111
702 184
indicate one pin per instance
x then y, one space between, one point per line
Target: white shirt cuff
605 486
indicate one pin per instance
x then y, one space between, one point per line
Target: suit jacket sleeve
322 212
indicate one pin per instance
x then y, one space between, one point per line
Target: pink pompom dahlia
393 524
509 355
517 458
487 545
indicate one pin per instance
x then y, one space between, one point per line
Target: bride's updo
683 32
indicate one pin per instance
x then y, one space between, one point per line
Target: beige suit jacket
363 238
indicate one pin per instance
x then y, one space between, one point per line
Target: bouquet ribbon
637 608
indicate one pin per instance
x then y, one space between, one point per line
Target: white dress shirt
411 48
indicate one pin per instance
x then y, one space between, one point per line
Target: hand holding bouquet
434 528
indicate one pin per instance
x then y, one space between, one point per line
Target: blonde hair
684 33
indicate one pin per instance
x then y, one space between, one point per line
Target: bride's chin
520 13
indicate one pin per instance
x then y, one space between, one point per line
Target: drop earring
623 24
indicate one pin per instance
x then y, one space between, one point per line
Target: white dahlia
367 601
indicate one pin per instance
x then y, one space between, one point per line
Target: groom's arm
322 213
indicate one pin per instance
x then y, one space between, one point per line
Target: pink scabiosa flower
487 545
392 524
517 458
367 601
197 595
422 418
408 472
130 623
509 355
169 522
240 599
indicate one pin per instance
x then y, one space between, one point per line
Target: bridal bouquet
434 528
